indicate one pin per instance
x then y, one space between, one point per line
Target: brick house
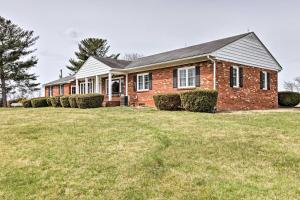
240 68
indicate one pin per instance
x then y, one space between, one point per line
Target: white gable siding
92 67
248 51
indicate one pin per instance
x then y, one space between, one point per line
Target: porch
113 85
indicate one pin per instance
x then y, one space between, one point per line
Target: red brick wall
162 82
250 96
55 88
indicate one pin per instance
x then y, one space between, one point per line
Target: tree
15 59
292 85
132 56
90 47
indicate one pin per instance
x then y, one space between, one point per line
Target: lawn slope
125 153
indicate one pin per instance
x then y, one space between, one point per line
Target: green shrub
72 101
39 102
89 100
49 101
290 99
64 101
199 100
55 101
167 101
27 103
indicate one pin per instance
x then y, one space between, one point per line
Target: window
187 77
235 76
91 86
117 86
143 82
264 80
73 89
82 88
51 91
61 89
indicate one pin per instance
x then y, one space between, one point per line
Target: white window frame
73 86
265 80
82 90
186 69
51 91
143 82
237 77
120 84
61 88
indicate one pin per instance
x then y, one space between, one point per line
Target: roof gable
248 50
92 67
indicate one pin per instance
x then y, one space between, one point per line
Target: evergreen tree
90 47
15 59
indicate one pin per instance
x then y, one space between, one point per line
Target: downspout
214 70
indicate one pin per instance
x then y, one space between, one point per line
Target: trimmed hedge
289 99
64 101
39 102
55 101
199 100
27 103
49 101
72 101
167 101
89 100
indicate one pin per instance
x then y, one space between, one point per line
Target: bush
290 99
27 103
55 101
199 100
39 102
64 101
167 101
89 100
49 101
72 101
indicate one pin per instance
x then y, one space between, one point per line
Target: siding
248 51
92 67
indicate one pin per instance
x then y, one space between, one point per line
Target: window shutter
150 81
261 80
175 84
231 77
134 83
268 80
62 90
197 76
241 76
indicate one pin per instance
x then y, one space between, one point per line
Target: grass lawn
125 153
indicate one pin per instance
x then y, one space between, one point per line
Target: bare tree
132 56
292 86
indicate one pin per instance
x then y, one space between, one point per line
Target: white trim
126 84
265 80
237 77
143 82
73 86
187 77
116 78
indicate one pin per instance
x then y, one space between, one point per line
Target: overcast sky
149 27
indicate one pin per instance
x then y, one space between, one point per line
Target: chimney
60 74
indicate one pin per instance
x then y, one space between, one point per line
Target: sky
149 27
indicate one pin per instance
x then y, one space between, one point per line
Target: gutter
215 69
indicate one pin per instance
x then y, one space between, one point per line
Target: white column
86 85
97 84
77 87
126 84
109 86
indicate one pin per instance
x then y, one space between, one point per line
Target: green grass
125 153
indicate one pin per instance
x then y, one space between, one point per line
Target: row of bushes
195 101
288 99
74 101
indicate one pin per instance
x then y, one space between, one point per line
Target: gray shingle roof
113 63
63 80
191 51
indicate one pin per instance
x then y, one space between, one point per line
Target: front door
117 86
